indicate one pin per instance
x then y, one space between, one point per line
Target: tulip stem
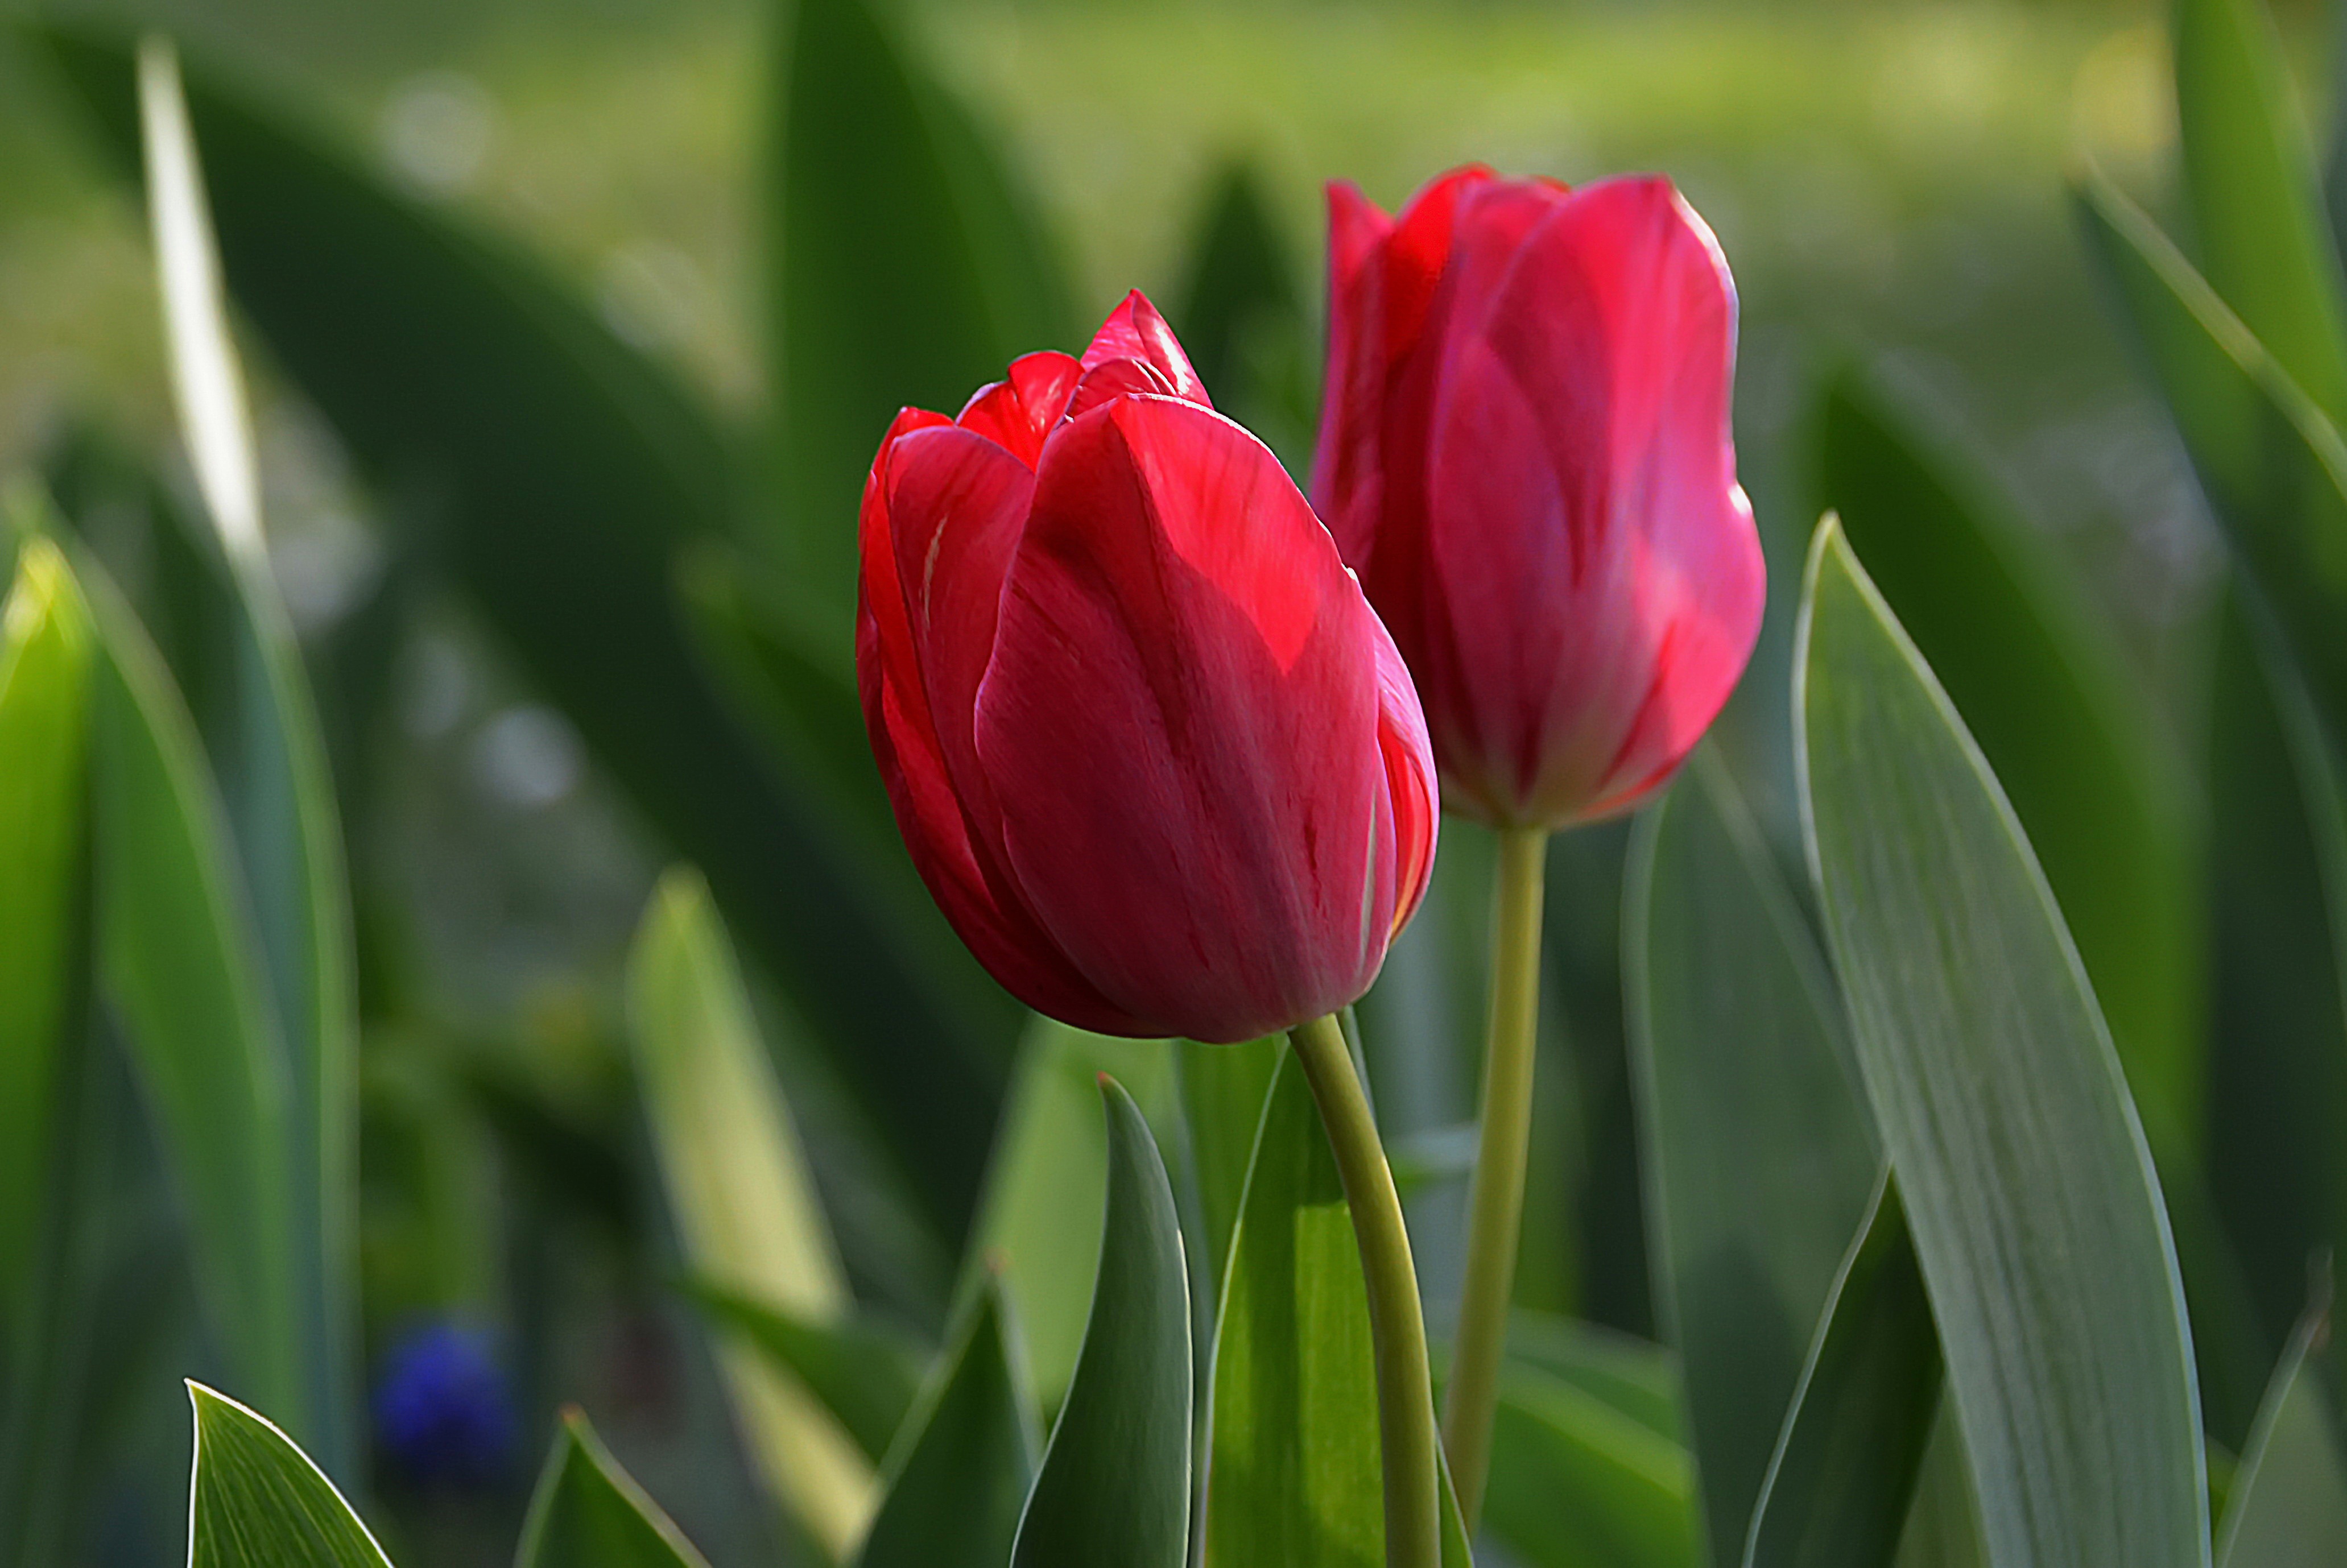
1396 1322
1495 1204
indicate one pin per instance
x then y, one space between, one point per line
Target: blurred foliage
573 323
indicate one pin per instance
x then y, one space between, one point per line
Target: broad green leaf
2256 206
256 1501
2274 468
1759 1156
1223 1090
2027 1183
1635 1377
2288 1507
2277 1077
588 1512
1039 1223
554 475
1293 1468
907 267
2040 682
1944 1527
273 769
1114 1487
960 1471
1840 1485
863 1375
179 963
747 1213
44 658
1577 1483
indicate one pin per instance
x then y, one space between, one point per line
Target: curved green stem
1495 1202
1397 1323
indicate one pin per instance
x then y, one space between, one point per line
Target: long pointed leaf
1114 1487
276 777
181 965
2288 1502
2028 1186
2278 1083
2042 684
1045 1183
588 1513
909 269
746 1209
257 1500
1843 1478
866 1378
2274 468
1760 1155
1224 1089
1577 1483
2257 208
555 474
45 657
1293 1472
961 1470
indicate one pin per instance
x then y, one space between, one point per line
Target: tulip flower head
1150 749
1524 451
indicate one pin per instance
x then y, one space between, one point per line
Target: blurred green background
1886 179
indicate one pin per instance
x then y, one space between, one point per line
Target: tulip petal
1584 400
925 463
1134 331
1181 725
1019 411
1408 759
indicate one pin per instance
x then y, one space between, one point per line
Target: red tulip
1149 745
1524 452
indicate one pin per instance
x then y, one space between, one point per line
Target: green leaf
865 1376
179 963
910 269
1293 1468
1842 1479
1577 1483
1114 1488
554 474
2042 684
2278 1086
1759 1156
2027 1183
747 1213
2255 207
44 658
588 1513
275 774
1240 314
2274 469
1636 1378
1223 1090
1943 1528
257 1502
1038 1223
961 1470
2288 1502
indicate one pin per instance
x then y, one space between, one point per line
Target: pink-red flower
1149 745
1524 451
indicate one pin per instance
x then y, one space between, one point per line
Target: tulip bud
1150 749
1524 451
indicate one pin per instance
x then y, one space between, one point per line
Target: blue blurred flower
444 1415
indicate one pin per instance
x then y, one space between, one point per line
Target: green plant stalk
1495 1204
1407 1443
